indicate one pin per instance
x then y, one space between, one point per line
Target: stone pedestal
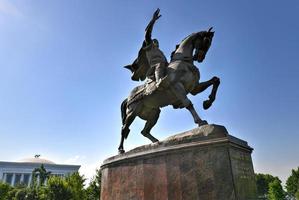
205 163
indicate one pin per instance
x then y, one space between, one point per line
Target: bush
76 185
4 190
58 189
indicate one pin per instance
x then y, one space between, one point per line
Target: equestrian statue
166 83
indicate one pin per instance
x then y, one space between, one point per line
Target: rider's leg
150 123
160 69
150 74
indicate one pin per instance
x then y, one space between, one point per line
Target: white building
21 171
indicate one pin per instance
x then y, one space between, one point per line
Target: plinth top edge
206 134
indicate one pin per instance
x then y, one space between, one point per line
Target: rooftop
36 159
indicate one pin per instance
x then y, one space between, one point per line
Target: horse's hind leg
150 123
125 131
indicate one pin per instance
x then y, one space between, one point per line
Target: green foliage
292 183
76 185
275 191
20 194
262 183
16 193
58 189
297 194
69 188
34 193
4 189
42 173
94 189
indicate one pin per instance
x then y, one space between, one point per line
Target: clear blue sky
62 81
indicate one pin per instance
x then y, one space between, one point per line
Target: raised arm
149 28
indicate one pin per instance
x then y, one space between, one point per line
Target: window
26 179
17 179
8 178
58 175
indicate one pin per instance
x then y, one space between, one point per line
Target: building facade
20 172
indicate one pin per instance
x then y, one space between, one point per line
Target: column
13 179
22 178
30 179
4 177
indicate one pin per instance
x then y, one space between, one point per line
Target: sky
62 78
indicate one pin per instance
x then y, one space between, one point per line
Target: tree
20 194
76 185
17 192
292 182
35 193
275 191
297 194
58 189
4 190
262 183
42 173
94 189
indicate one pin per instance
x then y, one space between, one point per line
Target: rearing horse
182 77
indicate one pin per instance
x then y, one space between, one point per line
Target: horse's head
202 44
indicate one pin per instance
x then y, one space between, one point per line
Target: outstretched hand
156 14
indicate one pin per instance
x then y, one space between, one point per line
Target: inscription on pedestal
242 168
243 165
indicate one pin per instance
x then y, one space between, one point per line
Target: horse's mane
172 53
177 45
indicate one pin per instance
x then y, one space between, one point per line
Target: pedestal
205 163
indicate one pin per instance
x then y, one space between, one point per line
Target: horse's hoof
155 140
203 122
121 151
206 104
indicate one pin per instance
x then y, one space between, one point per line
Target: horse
182 77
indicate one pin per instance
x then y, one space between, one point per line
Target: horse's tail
123 109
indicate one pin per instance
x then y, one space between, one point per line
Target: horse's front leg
180 94
200 87
195 116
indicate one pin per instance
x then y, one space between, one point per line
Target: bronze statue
181 78
151 62
154 55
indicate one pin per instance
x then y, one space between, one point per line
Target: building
14 173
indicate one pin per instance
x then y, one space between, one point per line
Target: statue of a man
156 58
